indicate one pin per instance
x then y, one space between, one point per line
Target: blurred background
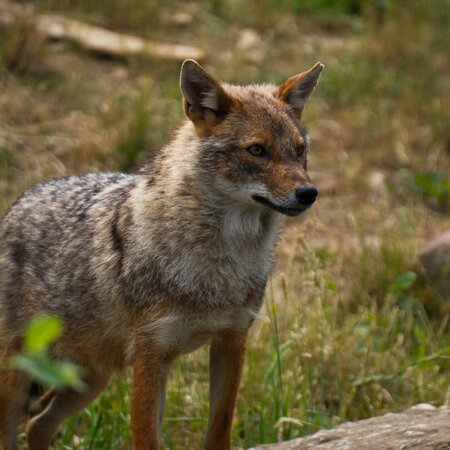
353 325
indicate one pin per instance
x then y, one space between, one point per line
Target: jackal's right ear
296 90
205 101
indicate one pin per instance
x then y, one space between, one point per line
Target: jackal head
252 139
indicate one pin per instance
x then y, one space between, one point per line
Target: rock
248 39
251 46
423 427
377 181
182 18
436 261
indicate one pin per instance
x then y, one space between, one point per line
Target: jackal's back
53 242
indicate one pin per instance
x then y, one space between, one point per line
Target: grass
351 327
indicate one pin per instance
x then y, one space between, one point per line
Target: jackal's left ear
205 101
296 90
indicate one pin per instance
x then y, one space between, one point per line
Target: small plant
135 140
36 361
6 162
431 185
404 282
21 45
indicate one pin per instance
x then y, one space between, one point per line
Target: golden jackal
144 267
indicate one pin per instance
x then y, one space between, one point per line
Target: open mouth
292 212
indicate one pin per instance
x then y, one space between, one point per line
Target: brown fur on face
233 119
263 120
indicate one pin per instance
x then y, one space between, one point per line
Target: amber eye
257 150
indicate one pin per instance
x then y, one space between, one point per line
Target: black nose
306 194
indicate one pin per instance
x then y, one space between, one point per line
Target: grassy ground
351 327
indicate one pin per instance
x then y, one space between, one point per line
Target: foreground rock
436 260
419 428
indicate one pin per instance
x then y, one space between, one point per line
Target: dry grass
352 327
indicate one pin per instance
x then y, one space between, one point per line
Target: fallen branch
95 38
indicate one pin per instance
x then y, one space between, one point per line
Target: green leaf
404 282
36 361
433 184
56 374
40 368
430 184
41 331
70 374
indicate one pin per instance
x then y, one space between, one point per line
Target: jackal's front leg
149 382
227 356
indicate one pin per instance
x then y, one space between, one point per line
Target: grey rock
423 427
435 259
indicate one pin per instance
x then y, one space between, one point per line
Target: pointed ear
205 101
296 90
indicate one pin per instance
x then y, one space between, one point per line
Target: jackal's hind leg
41 403
14 388
42 427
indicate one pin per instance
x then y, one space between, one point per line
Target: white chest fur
179 334
215 256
